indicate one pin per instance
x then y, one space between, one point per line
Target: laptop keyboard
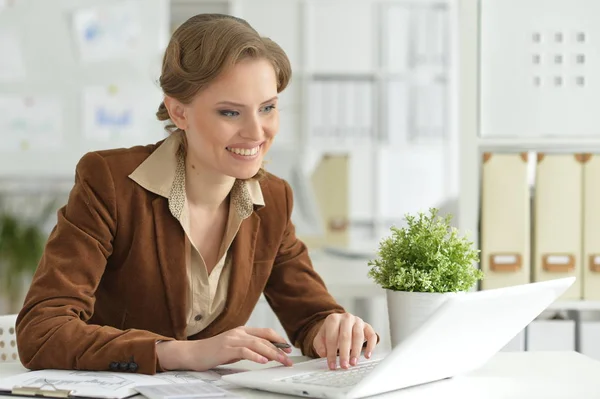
338 378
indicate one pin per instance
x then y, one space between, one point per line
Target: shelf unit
546 144
473 144
581 305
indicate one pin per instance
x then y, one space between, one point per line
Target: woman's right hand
241 343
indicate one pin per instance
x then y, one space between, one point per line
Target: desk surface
511 375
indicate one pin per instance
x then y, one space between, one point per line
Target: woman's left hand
345 334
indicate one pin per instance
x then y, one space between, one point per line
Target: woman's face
231 124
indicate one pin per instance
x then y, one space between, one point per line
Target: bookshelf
478 136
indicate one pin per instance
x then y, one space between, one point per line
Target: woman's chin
245 174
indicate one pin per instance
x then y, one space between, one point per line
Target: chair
8 339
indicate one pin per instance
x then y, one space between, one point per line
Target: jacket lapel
242 264
170 244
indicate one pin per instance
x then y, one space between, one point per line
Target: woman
162 251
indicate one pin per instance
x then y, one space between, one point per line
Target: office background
395 106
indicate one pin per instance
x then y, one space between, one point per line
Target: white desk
513 375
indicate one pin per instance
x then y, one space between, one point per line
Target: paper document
30 122
181 391
103 384
112 113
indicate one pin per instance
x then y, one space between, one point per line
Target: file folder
50 392
505 220
591 224
330 182
558 221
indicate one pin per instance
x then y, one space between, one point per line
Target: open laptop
461 335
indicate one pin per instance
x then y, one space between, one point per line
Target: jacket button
198 317
123 366
114 366
133 367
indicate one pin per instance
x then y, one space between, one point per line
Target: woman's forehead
250 81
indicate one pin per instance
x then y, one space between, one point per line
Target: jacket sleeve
52 329
295 292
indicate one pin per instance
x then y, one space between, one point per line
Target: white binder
591 223
505 221
558 224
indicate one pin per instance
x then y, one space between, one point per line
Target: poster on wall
5 4
107 32
30 123
120 115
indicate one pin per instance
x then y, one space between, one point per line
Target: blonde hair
205 45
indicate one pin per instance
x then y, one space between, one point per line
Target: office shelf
554 144
582 305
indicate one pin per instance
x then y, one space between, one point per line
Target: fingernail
332 365
344 364
368 355
281 358
264 360
353 361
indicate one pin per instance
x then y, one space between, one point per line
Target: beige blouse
163 173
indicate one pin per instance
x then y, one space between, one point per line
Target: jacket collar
163 173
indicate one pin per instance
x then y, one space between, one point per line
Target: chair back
8 339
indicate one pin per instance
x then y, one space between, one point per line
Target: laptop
460 336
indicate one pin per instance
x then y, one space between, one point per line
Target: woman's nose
253 129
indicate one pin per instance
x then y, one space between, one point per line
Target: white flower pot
407 311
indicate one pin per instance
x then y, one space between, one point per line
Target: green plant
21 246
427 255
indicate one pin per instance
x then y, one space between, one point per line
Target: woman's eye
229 113
268 108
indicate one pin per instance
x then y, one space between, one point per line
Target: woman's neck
205 187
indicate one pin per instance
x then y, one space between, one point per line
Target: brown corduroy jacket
112 280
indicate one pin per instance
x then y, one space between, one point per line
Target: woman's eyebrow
243 105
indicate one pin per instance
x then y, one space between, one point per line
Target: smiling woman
219 134
163 250
225 97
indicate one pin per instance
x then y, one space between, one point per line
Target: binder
558 224
591 221
398 33
505 220
330 182
47 392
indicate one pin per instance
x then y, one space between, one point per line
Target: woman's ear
176 112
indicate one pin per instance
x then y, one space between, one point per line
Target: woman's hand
347 334
240 343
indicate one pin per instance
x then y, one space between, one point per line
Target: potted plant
420 266
21 245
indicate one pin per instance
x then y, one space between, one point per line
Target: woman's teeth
244 151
